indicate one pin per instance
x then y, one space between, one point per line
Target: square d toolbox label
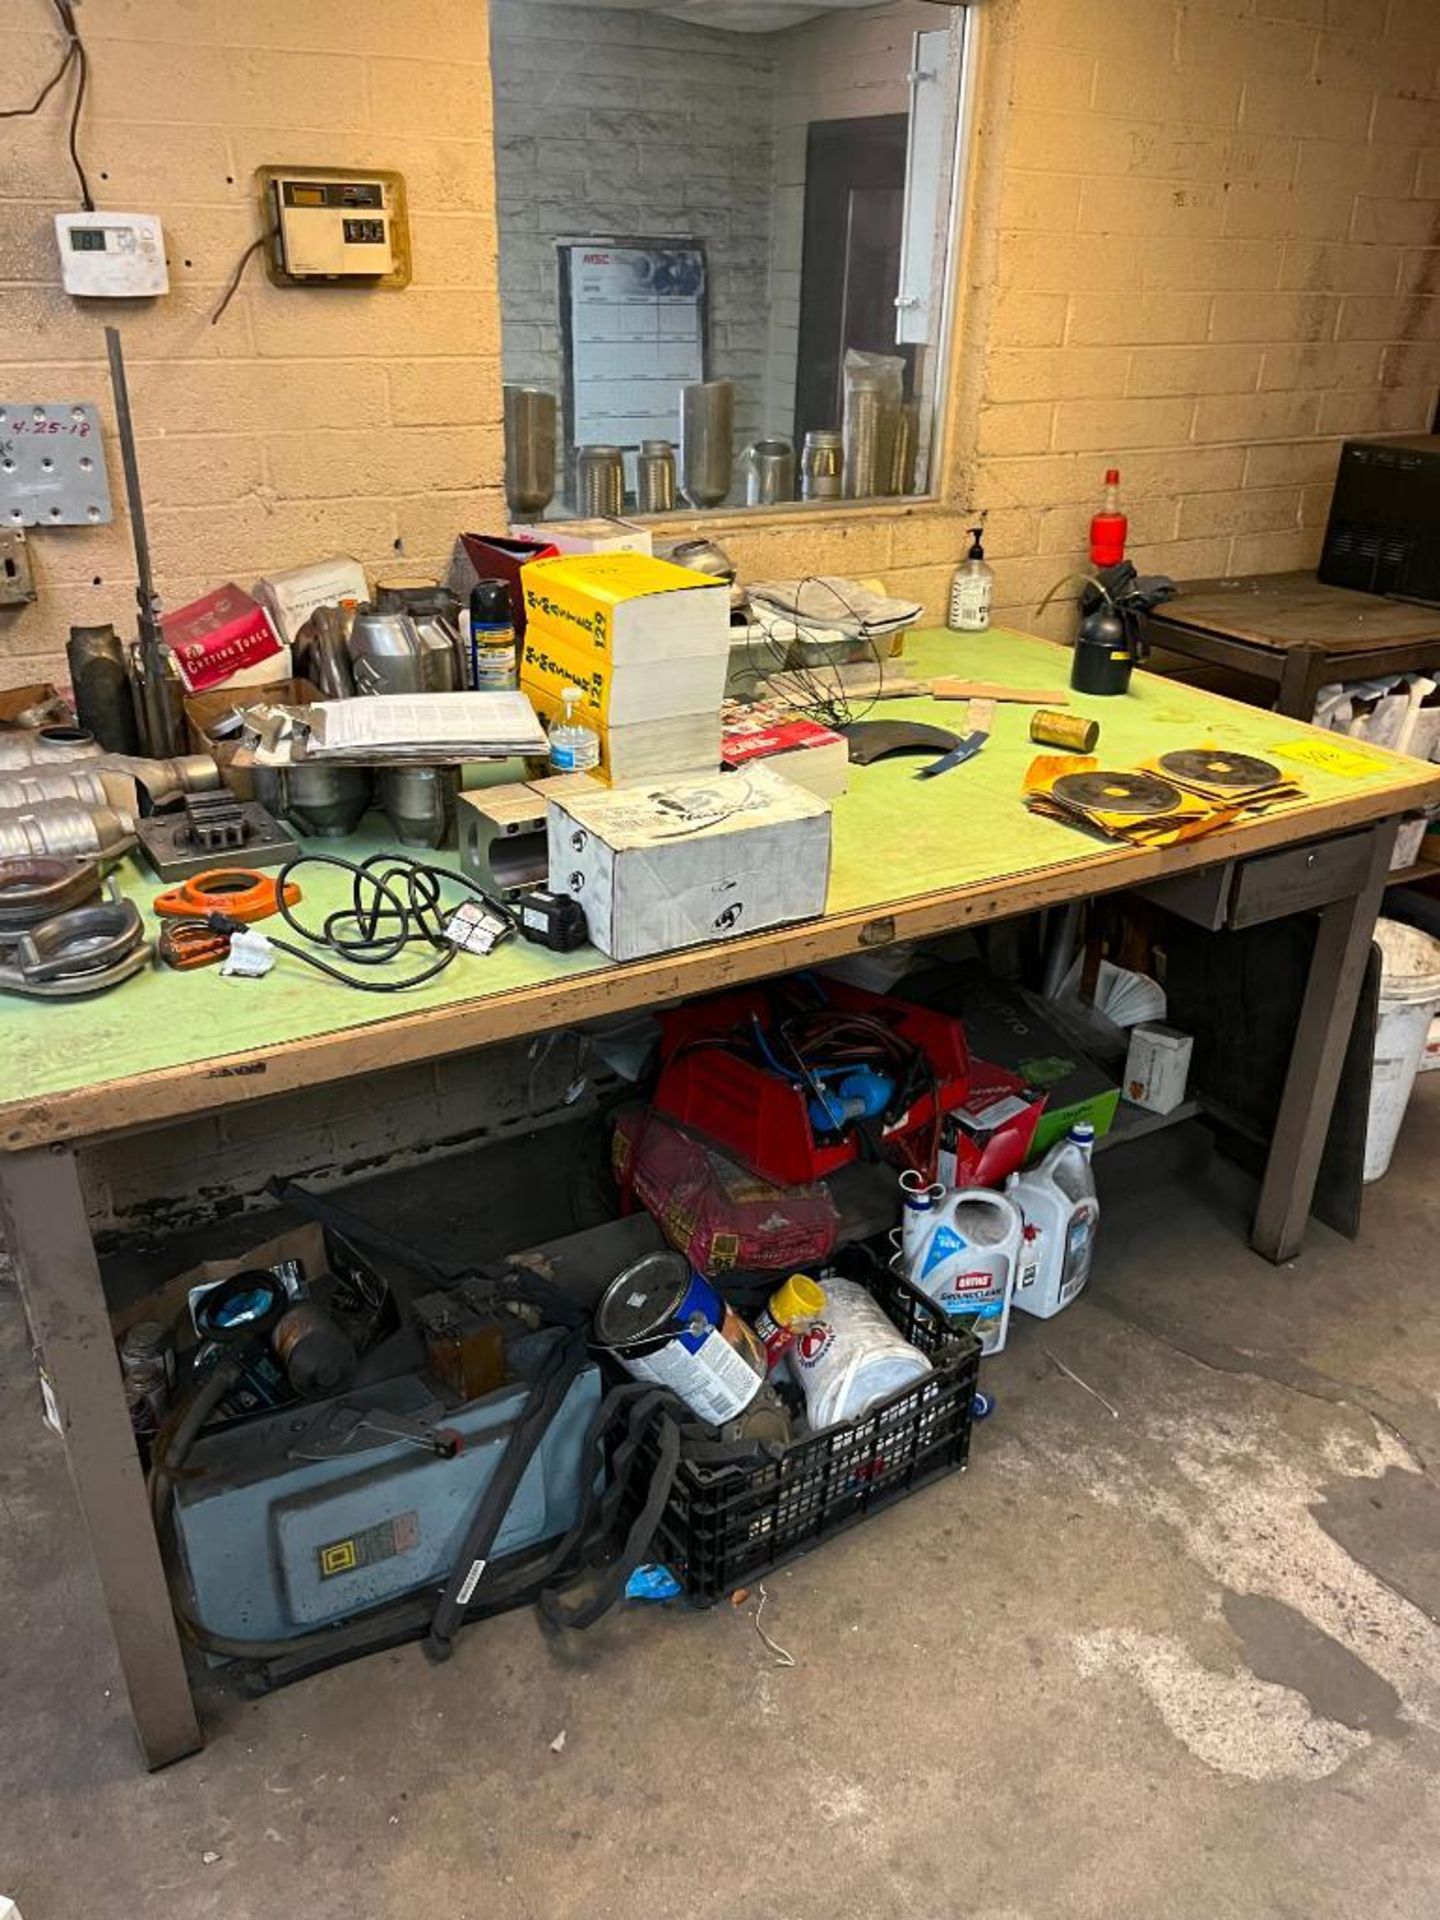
380 1542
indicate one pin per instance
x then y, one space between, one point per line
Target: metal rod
159 722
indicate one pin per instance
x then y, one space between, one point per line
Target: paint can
666 1324
1073 731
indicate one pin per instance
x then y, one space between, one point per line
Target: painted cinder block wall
1204 243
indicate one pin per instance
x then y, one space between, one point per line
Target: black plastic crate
726 1526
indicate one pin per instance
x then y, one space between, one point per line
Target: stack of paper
431 729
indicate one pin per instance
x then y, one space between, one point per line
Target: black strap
349 1226
542 1403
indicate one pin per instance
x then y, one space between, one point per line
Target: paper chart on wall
635 317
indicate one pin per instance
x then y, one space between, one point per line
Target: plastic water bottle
573 748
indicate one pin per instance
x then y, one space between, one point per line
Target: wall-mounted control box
112 256
330 226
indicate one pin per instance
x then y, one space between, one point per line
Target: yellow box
627 607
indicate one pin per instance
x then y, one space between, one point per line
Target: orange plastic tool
243 892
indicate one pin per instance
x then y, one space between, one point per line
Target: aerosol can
963 1254
1060 1212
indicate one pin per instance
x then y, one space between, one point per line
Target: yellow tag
1333 756
339 1558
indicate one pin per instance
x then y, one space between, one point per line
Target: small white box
1157 1067
683 862
292 595
112 256
589 536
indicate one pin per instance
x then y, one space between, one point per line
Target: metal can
822 465
666 1324
1070 730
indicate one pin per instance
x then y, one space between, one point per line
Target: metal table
912 859
1295 633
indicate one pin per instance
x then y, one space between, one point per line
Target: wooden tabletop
910 859
1279 611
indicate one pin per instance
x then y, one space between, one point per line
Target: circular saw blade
1236 772
1100 792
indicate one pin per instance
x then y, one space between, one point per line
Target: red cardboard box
218 636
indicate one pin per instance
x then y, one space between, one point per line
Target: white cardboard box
1157 1067
292 595
679 863
588 536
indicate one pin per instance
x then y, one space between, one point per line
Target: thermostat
112 256
329 226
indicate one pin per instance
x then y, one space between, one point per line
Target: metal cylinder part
159 702
655 477
707 441
906 449
530 438
864 435
321 656
599 481
822 465
769 472
104 699
325 801
21 790
419 803
386 653
64 827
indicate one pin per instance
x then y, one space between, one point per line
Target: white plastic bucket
1409 996
852 1356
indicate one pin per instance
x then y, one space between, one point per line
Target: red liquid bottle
1109 527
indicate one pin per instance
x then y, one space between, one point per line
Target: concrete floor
1177 1664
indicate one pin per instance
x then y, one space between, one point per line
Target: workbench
1295 633
911 859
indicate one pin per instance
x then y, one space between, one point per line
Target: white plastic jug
851 1356
1060 1212
965 1260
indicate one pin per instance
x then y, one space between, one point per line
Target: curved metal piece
65 827
85 950
34 890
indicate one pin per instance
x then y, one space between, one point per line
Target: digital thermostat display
87 239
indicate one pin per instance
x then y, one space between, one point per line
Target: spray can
972 589
492 637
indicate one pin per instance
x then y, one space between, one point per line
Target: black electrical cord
395 903
239 274
76 55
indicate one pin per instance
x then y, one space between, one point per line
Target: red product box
218 636
739 744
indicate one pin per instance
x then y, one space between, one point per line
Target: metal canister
769 472
707 441
822 465
147 1366
666 1324
906 448
1073 731
530 416
419 803
104 702
599 481
655 477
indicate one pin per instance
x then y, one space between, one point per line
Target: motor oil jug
1060 1212
965 1256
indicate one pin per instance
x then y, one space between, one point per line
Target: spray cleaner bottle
1060 1213
972 589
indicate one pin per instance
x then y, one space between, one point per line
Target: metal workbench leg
43 1212
1301 678
1332 988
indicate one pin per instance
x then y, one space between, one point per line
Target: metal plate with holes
52 465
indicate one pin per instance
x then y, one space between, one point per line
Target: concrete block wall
307 421
613 123
1215 253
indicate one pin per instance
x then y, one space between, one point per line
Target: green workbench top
895 838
